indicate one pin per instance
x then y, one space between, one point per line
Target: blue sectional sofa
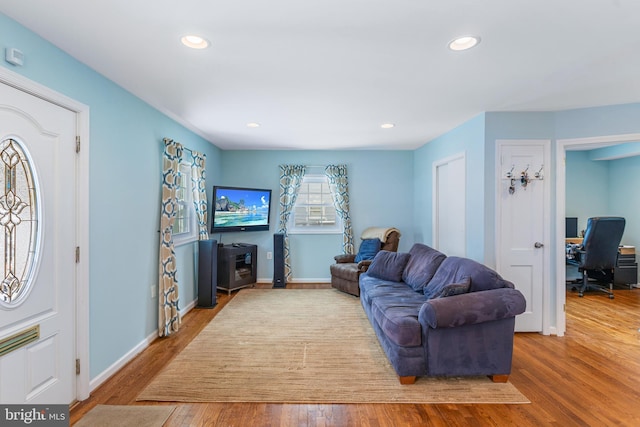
441 316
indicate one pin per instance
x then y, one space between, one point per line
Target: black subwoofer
207 273
279 280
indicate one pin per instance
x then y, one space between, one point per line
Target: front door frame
562 146
20 82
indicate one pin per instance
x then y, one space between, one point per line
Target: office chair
599 253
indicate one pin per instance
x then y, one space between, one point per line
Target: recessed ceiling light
464 42
195 42
253 125
387 125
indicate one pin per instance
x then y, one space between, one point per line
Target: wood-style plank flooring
589 377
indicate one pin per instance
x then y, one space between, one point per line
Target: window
314 212
185 229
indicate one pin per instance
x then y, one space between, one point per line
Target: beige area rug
302 346
126 416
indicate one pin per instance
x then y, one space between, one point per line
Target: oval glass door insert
19 225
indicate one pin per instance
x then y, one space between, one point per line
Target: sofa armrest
364 265
471 308
345 258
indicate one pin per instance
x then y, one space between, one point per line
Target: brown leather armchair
345 273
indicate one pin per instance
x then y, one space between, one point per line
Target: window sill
325 232
183 240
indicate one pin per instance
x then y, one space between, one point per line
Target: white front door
522 224
38 241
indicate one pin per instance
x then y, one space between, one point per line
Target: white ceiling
325 74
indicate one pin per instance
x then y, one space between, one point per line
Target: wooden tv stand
237 266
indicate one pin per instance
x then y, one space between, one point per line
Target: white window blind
184 228
314 211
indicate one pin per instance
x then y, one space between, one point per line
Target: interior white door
450 206
38 240
521 225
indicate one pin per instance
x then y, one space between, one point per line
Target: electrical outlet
269 255
153 291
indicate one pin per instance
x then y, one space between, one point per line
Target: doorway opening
562 146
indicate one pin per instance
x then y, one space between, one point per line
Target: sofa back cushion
422 266
388 265
457 270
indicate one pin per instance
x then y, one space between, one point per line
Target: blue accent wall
380 191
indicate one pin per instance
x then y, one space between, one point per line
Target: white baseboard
119 364
128 357
188 307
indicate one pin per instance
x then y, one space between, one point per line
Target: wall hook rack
539 174
524 178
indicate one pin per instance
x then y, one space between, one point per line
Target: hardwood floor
589 377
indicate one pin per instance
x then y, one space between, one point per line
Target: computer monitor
571 227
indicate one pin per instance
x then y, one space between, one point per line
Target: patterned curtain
199 192
290 180
338 183
168 315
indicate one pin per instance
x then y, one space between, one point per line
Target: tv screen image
240 209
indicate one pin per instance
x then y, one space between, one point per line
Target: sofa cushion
372 287
455 288
456 269
368 249
388 265
422 266
398 318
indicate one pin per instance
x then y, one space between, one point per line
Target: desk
624 273
626 270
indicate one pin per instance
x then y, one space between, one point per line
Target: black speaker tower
279 280
207 273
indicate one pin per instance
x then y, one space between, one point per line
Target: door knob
538 245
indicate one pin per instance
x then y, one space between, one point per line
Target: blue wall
624 190
598 121
380 189
467 138
124 172
604 188
587 187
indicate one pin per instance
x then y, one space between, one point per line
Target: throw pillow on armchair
368 249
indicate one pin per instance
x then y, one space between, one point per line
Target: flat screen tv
240 209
